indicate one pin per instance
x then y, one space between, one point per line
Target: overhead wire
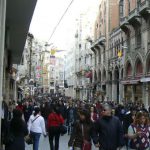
60 20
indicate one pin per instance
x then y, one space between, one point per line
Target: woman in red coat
55 119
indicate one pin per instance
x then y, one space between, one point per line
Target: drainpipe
2 45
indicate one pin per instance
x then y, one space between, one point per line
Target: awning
145 79
130 81
18 17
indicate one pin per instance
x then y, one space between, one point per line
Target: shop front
132 90
146 81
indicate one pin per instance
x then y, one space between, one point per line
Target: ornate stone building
135 23
122 50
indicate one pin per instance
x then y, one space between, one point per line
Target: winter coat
19 131
55 120
76 138
110 133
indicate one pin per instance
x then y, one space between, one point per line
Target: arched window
99 73
129 70
148 67
139 68
104 75
121 8
95 76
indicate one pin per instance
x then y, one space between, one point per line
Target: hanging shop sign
145 79
130 81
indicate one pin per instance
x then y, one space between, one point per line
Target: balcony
124 25
134 18
144 8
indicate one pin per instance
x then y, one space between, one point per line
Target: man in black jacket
109 130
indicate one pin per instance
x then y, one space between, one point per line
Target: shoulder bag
29 138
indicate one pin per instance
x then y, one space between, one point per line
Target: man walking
109 130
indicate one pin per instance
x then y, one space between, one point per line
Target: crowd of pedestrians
107 125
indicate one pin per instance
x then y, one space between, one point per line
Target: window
138 37
121 8
148 67
129 70
139 68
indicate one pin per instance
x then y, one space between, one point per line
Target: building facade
106 45
13 33
83 55
121 51
135 24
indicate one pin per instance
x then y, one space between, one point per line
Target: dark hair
36 110
16 124
17 113
86 113
56 109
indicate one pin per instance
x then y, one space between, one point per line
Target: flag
53 51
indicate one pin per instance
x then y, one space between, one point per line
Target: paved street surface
44 144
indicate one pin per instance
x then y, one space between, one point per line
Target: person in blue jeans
36 127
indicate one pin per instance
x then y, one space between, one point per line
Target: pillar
114 88
133 94
145 94
2 40
15 91
121 89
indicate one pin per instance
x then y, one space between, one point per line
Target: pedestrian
55 119
109 130
139 132
128 120
94 115
36 127
83 132
27 110
71 117
19 130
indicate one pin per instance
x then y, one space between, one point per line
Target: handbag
28 139
86 144
63 129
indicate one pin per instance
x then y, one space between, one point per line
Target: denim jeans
36 138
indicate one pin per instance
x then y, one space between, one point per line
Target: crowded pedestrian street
74 74
44 144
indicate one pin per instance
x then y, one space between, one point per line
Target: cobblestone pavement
44 144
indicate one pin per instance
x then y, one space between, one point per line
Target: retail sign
145 79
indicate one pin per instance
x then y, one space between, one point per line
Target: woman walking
83 132
18 130
139 132
36 127
55 119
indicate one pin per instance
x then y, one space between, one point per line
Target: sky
47 14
